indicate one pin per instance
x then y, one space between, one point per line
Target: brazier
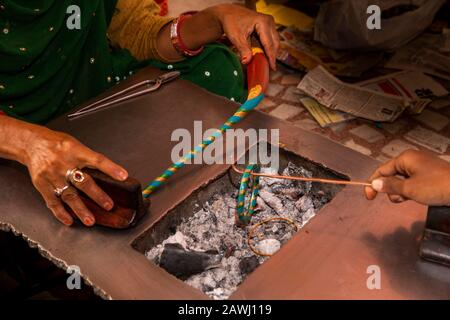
206 219
329 258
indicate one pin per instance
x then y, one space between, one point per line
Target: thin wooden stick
327 181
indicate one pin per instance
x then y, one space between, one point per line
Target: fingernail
377 185
123 175
89 221
108 206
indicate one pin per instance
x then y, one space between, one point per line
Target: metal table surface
326 259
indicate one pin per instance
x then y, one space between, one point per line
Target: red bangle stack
175 36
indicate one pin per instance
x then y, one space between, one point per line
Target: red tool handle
258 70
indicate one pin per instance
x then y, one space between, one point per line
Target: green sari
46 69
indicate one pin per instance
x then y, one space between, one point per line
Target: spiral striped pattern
244 215
254 98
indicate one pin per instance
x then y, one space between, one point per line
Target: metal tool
126 94
435 245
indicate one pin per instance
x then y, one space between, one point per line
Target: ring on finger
75 176
59 191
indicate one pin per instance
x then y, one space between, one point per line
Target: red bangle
177 41
163 6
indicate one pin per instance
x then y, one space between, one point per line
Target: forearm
15 137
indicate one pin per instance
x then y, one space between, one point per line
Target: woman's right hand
48 156
414 175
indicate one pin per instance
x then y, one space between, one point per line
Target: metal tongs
126 94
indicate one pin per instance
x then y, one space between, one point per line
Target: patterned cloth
46 68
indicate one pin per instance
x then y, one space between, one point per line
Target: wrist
31 137
202 28
177 39
16 137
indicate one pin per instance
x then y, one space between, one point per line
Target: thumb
389 185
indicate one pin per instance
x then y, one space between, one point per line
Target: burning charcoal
220 293
318 202
320 198
268 246
292 193
219 274
308 215
286 237
273 184
281 188
304 204
248 265
262 206
178 238
293 170
290 211
272 201
209 283
213 218
183 264
264 181
206 235
238 254
155 253
228 248
275 229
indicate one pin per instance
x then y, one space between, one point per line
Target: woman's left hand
238 23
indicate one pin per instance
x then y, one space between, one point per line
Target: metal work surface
327 259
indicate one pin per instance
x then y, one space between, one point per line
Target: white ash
213 228
269 246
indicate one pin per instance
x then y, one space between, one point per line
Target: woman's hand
49 158
238 23
49 155
414 175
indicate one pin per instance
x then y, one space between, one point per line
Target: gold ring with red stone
75 176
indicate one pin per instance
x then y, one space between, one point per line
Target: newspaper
359 102
299 50
324 116
422 55
428 139
413 86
